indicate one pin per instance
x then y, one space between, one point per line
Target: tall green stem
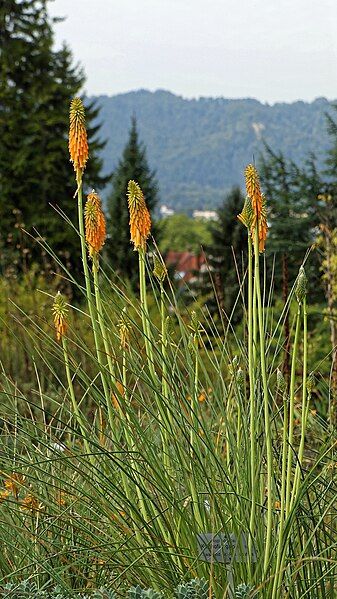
266 405
291 410
251 367
145 314
164 385
107 349
279 562
195 427
77 414
304 400
91 306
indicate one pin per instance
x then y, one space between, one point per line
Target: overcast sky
272 50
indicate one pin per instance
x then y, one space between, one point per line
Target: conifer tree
226 257
292 216
132 165
36 86
328 245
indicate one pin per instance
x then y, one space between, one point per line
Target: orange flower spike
258 204
31 504
95 226
140 220
60 310
263 227
78 141
253 188
13 483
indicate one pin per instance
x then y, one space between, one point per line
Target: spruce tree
37 84
226 257
132 165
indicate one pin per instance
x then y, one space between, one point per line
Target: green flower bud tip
240 378
301 288
159 269
281 382
310 382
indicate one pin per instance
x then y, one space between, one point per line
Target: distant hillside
199 147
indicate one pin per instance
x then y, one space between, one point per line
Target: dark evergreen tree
133 165
36 86
328 243
330 172
293 213
292 203
226 258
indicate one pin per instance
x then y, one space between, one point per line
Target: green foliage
181 233
195 589
36 84
243 591
139 593
132 166
200 147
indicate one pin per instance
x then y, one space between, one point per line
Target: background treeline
199 148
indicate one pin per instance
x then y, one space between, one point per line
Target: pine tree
226 258
37 84
133 165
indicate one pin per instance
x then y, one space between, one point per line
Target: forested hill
199 147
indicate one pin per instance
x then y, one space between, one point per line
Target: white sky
273 50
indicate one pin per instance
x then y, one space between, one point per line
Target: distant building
165 211
187 266
205 214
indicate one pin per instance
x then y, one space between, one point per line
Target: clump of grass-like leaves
110 477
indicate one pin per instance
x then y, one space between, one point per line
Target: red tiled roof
186 264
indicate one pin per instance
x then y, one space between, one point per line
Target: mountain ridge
199 147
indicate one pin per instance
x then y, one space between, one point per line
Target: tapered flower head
159 269
60 311
124 330
280 381
253 185
262 224
254 213
78 141
13 483
94 220
31 504
310 384
301 288
140 220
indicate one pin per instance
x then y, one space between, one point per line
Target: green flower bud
301 288
310 382
280 381
240 379
233 366
159 269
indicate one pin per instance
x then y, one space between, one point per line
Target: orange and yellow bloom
95 226
60 310
78 141
140 220
254 213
